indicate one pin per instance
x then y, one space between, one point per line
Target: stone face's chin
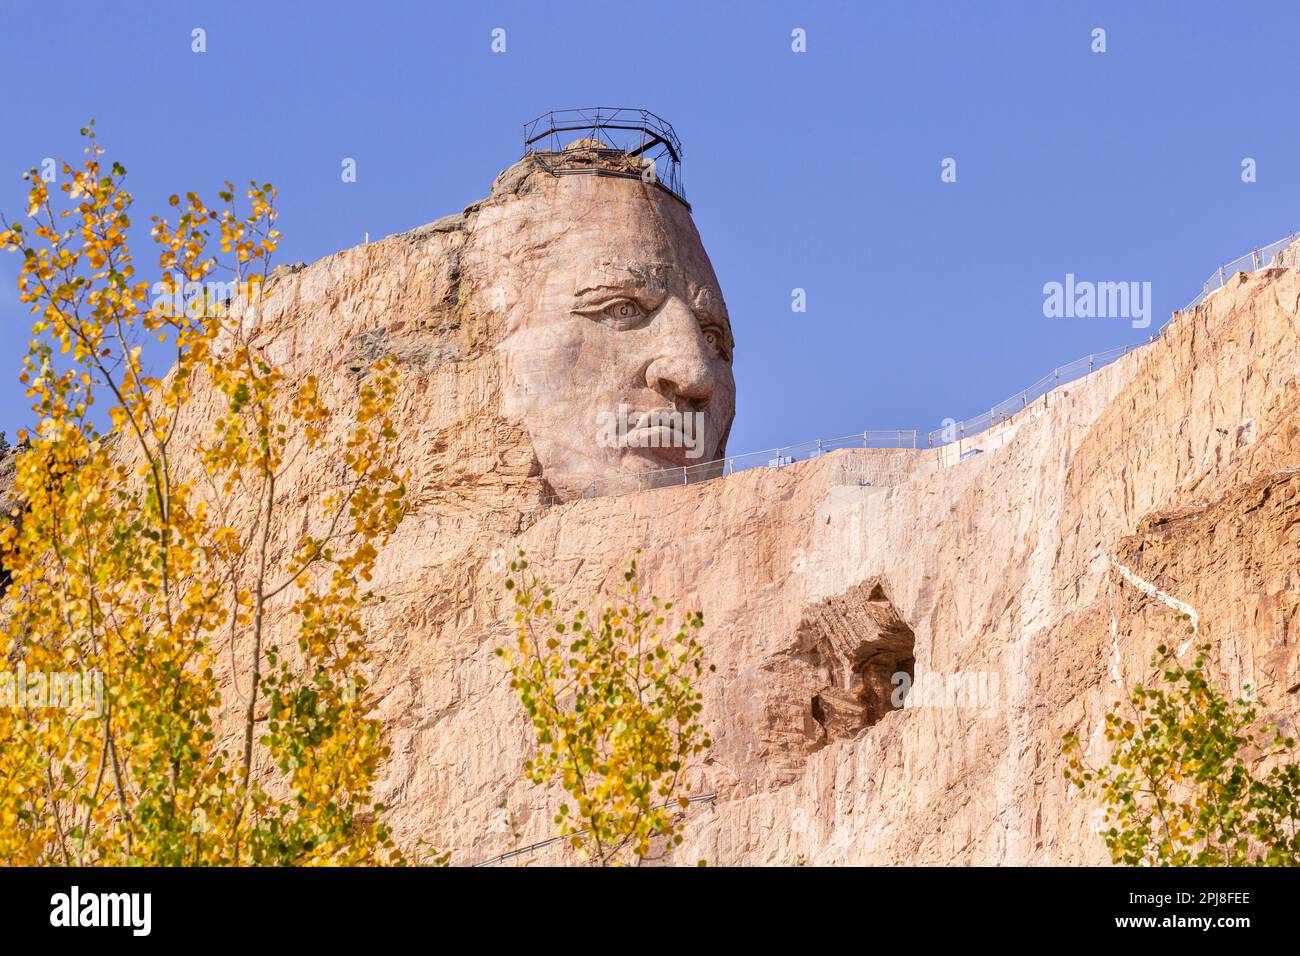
618 354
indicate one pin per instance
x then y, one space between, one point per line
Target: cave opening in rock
866 652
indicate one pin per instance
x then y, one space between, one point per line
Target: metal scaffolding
608 141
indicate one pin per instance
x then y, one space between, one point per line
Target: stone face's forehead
618 228
627 239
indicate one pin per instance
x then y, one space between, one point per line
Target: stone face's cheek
721 412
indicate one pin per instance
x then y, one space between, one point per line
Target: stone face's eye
713 336
620 313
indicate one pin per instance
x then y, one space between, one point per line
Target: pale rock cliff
818 581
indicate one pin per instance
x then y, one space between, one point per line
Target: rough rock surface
818 585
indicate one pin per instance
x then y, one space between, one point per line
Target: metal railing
720 467
1284 253
1003 410
1275 255
617 141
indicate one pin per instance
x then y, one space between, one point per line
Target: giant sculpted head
617 346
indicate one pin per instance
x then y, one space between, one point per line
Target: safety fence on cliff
1003 410
770 458
1284 253
1275 255
1279 254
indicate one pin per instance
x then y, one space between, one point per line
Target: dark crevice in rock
862 648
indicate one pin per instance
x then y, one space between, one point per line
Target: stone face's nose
683 370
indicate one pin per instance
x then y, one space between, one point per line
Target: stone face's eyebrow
603 287
609 277
708 304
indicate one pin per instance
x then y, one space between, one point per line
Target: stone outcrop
995 571
988 582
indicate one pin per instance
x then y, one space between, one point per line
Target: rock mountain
1001 583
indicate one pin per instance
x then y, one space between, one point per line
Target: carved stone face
618 349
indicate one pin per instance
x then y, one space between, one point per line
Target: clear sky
817 170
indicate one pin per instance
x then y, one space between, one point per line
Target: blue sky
818 170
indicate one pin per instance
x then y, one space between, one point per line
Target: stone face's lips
662 443
673 437
656 436
660 438
657 418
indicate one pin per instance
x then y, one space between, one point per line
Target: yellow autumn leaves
614 702
1191 778
158 556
